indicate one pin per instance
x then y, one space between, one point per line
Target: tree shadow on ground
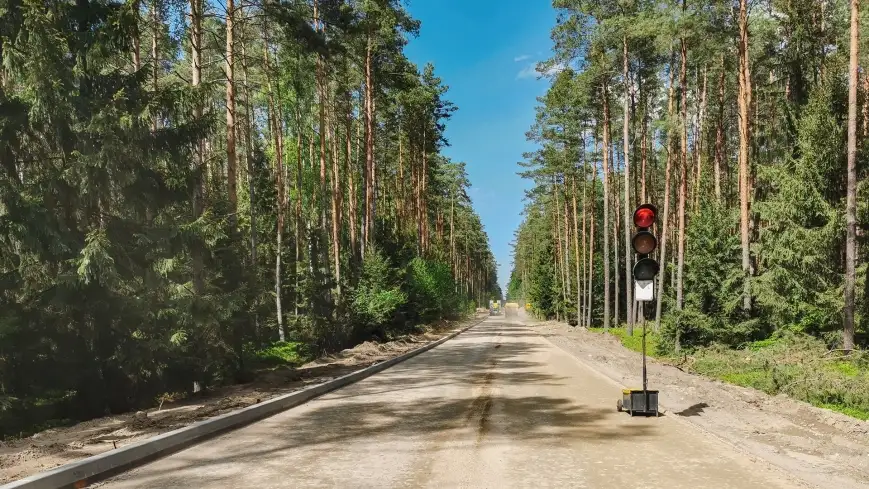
460 387
695 410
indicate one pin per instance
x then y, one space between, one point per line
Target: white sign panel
644 290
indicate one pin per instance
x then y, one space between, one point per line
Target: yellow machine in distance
511 309
494 308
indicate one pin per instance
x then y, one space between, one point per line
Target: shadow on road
386 407
695 410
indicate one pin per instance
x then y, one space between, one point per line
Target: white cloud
520 58
555 69
529 71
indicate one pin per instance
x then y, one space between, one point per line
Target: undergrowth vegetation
798 365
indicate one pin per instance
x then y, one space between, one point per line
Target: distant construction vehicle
511 309
494 308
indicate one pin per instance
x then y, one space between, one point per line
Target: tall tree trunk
368 230
559 253
323 128
698 144
589 303
424 195
683 174
606 208
865 80
744 102
568 279
579 315
665 226
155 54
351 180
336 203
617 214
248 156
719 132
851 204
402 198
230 113
137 37
629 303
297 272
644 148
584 289
277 138
198 154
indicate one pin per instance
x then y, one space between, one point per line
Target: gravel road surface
498 406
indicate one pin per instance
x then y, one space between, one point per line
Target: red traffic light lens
645 216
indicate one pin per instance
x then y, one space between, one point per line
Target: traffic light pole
645 270
645 378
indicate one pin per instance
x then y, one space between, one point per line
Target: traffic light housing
645 243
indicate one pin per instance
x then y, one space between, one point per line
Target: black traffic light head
646 269
644 242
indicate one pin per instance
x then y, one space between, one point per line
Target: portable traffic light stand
643 401
640 401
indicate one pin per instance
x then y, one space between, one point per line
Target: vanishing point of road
498 406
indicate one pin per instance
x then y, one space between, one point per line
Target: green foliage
131 267
432 290
634 342
377 296
804 228
281 353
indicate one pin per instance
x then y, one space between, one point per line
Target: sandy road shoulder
820 447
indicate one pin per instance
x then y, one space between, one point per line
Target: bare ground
55 447
819 446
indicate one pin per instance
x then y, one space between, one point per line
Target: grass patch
796 365
290 353
634 342
848 411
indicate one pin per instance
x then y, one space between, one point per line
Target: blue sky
485 51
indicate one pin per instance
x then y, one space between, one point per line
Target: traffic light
644 243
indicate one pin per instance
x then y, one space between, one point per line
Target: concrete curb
99 467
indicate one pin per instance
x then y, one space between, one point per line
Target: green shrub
377 297
291 353
432 290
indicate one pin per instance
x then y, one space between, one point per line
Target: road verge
93 469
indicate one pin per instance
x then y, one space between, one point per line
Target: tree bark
576 248
589 304
744 102
351 180
230 113
199 150
719 133
644 149
606 206
336 202
698 144
851 204
629 304
277 138
559 253
368 229
683 174
155 54
137 38
665 226
617 214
